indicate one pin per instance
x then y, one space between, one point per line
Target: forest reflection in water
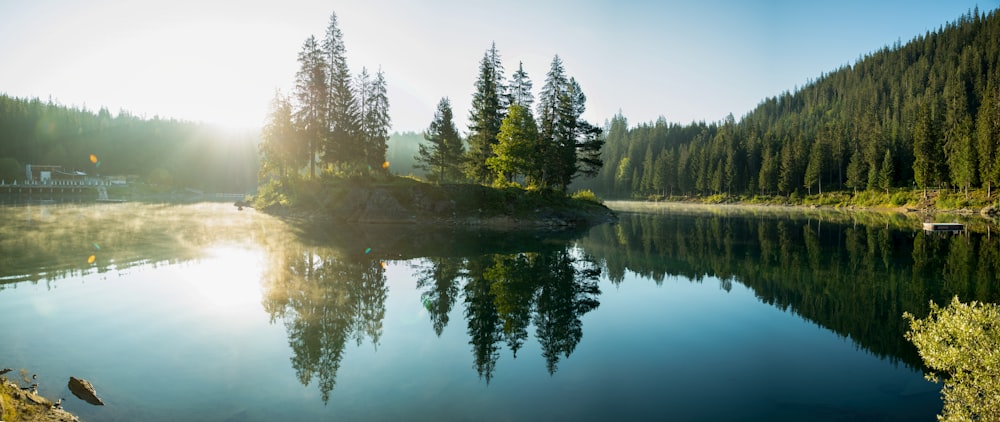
331 290
854 273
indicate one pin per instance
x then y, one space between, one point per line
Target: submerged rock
83 390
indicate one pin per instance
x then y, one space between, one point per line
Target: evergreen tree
886 172
987 136
856 171
343 146
488 111
520 88
768 178
960 149
280 147
814 171
311 96
515 153
551 102
925 149
568 144
373 110
443 157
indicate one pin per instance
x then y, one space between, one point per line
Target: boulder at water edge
83 390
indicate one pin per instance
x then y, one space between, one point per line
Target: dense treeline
167 153
923 114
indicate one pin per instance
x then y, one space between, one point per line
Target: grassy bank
894 199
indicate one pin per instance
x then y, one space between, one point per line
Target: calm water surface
201 312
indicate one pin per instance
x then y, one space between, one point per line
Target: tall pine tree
343 146
311 95
373 112
280 147
489 104
442 157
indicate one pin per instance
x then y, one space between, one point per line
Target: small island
399 200
323 150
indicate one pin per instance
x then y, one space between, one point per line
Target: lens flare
385 165
91 259
368 251
93 158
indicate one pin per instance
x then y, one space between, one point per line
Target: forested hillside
168 153
925 114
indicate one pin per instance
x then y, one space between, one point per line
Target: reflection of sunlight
227 278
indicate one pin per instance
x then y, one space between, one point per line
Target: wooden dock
51 187
944 227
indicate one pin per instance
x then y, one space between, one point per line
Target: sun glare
229 277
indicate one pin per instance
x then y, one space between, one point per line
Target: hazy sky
221 61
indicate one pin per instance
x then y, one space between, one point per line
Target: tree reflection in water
325 299
326 295
505 294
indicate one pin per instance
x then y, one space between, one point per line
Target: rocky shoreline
22 403
19 403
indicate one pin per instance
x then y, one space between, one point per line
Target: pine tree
311 101
520 88
489 104
280 145
551 102
987 136
857 170
817 162
442 158
516 153
960 150
569 145
373 110
343 146
925 148
886 172
768 178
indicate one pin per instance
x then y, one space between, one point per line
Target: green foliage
270 194
904 197
947 201
962 341
516 152
587 195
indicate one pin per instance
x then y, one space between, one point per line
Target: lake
202 312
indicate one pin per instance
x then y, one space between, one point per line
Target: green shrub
270 194
961 340
587 195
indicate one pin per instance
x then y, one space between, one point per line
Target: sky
221 61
